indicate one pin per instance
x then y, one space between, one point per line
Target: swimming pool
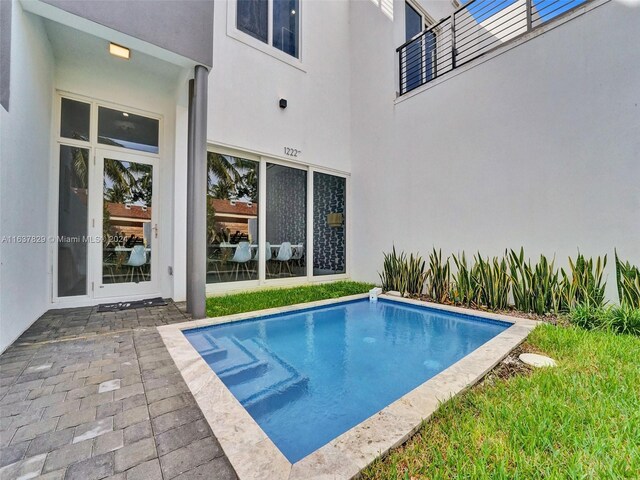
309 375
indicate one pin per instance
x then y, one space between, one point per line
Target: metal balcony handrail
436 51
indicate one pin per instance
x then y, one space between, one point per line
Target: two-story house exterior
180 149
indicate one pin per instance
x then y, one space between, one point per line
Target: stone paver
87 395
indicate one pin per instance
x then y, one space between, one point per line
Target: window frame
268 48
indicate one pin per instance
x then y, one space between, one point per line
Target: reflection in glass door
129 228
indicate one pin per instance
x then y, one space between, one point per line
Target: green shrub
625 319
589 316
628 283
618 319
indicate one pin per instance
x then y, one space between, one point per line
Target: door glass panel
232 218
329 236
286 25
127 230
124 129
73 221
74 119
286 221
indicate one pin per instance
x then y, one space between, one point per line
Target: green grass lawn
261 299
579 420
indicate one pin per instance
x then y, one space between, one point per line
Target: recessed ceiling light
119 51
125 114
293 12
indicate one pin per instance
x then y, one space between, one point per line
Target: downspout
197 194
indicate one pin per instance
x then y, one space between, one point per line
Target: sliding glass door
272 222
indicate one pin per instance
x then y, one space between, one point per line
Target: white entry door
124 221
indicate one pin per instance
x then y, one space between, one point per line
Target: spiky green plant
493 282
534 289
415 275
438 277
584 283
404 274
392 277
464 287
628 283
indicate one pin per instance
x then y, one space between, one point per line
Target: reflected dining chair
242 256
298 253
267 257
137 261
284 256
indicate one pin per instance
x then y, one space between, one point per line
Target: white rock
394 293
536 360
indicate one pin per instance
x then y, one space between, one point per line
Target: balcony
473 30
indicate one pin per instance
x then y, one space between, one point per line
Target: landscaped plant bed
511 312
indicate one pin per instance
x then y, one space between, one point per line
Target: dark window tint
74 119
414 52
73 221
252 17
412 21
127 130
286 26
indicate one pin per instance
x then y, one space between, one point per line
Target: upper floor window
283 32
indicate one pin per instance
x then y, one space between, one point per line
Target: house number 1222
292 152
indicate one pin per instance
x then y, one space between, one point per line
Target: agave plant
438 277
628 283
584 284
493 282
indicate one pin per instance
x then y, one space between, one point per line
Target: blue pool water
308 376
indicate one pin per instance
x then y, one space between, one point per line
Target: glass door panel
232 219
126 222
286 205
73 217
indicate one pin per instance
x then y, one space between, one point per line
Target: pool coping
252 453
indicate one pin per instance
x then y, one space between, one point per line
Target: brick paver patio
87 395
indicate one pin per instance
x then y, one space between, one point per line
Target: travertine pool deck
87 395
254 456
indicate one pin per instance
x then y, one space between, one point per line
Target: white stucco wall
246 84
24 177
538 147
